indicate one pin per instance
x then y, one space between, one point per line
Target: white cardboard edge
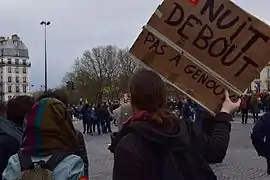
164 79
191 58
158 13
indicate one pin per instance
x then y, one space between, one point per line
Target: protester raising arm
216 141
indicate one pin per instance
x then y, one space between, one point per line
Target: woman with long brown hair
154 144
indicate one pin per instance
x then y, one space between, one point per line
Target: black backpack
187 165
184 166
39 170
172 170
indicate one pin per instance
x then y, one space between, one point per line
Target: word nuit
205 39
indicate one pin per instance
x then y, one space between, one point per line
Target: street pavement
241 162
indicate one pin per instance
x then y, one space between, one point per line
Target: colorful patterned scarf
48 129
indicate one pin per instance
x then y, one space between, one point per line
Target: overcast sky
78 25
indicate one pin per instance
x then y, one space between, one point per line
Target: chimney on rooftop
15 37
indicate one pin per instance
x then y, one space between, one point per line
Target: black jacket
81 151
139 147
10 140
261 136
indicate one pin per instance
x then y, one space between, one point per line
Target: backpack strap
25 161
55 159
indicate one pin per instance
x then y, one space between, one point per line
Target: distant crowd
155 138
98 118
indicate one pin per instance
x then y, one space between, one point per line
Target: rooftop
13 46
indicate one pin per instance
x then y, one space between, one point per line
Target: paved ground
241 162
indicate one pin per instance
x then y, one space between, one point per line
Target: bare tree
128 66
102 72
95 70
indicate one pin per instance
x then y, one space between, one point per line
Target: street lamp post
45 24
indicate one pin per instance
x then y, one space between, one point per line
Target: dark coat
139 148
267 102
10 140
261 135
81 151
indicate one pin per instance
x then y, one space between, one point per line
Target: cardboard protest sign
179 70
219 34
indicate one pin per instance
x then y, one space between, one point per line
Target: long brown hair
148 93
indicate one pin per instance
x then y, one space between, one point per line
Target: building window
9 89
9 98
17 89
9 61
17 53
17 70
24 88
9 69
24 79
249 90
258 76
9 78
24 70
16 61
17 79
24 62
258 87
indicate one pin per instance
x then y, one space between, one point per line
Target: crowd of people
98 118
254 103
153 140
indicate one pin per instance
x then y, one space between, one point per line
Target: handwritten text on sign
180 71
219 34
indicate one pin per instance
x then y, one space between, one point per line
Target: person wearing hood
154 144
10 138
48 132
81 147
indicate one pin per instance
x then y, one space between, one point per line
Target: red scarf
138 116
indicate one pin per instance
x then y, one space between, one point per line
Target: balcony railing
18 64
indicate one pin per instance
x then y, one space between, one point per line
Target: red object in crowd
194 1
83 178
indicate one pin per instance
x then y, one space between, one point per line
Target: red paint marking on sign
194 1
